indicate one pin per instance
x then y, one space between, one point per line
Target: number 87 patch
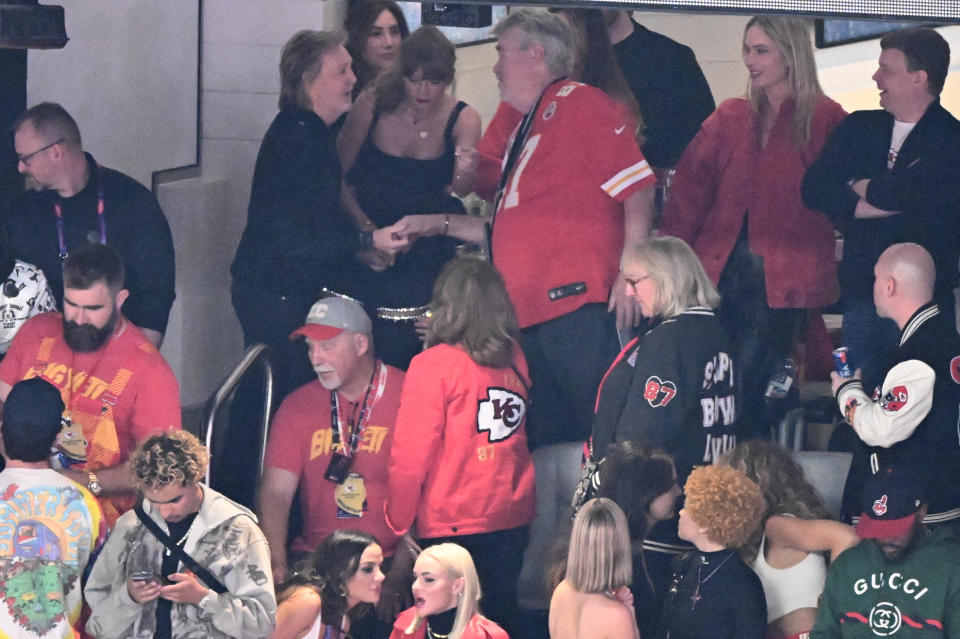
658 392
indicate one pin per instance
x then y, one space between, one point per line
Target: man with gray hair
575 189
911 418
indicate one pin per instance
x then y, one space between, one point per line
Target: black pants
762 336
568 357
498 557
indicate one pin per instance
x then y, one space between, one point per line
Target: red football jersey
560 218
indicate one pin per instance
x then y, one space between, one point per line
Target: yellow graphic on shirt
321 442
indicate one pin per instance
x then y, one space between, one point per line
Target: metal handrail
257 353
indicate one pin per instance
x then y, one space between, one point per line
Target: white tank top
789 589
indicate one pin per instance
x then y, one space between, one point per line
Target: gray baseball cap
331 316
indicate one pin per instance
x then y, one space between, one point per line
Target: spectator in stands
446 594
340 579
736 200
117 387
902 580
25 293
375 30
890 176
297 241
593 64
72 200
594 599
715 594
50 524
911 418
643 482
460 469
330 442
668 84
187 562
785 548
404 146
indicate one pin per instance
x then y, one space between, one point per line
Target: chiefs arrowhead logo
880 507
500 414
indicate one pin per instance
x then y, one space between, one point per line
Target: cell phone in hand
144 575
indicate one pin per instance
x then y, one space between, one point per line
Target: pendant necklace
696 593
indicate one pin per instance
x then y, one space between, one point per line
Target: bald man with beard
911 418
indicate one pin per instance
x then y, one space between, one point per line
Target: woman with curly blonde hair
714 594
785 549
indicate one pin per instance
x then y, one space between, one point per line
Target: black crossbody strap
202 573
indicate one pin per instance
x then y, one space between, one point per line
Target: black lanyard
101 209
356 431
518 142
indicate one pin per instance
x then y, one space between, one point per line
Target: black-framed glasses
26 157
633 283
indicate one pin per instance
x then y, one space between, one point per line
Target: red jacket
479 627
724 175
459 464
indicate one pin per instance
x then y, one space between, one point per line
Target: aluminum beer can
841 362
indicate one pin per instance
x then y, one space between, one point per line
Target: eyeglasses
633 283
26 158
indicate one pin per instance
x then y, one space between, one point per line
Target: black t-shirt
714 594
169 565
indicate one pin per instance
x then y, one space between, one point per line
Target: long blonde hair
458 564
792 36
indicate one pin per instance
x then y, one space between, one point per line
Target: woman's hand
624 596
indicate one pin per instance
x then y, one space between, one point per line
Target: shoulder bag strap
202 573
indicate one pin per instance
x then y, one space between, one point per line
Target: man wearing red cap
331 437
902 580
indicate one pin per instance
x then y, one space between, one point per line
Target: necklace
696 593
183 538
435 635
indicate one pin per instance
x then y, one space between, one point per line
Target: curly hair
781 481
725 502
172 458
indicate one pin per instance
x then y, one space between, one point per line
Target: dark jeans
762 336
568 357
498 557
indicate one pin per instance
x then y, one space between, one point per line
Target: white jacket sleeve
905 400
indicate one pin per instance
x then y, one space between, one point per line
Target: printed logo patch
500 414
885 619
880 506
658 392
955 369
895 399
549 111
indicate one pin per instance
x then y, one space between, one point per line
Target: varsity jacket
459 462
224 539
922 185
912 419
673 387
868 595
